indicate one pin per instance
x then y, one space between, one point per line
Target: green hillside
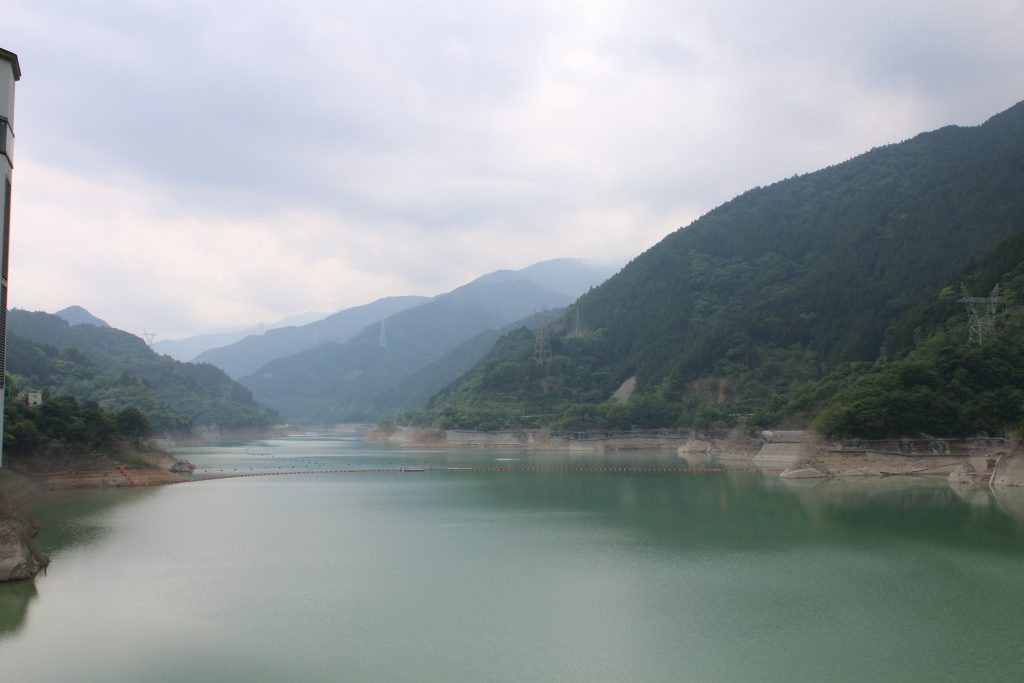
779 285
416 390
932 378
116 370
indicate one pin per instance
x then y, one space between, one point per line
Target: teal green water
517 576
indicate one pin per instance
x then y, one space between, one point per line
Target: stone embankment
556 441
982 460
795 454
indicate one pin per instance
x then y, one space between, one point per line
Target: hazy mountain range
340 382
255 350
188 348
361 363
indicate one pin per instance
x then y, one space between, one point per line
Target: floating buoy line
501 469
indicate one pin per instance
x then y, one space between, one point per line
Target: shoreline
20 556
23 479
795 454
791 455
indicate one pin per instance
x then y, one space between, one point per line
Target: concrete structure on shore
10 72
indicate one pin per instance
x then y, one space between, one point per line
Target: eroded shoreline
794 454
23 478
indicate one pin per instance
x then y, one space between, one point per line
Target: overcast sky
184 166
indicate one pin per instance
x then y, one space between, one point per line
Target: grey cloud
492 130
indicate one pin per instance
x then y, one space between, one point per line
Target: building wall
9 73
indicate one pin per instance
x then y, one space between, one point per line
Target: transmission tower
577 327
149 337
541 342
981 312
383 339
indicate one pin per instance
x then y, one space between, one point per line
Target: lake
474 574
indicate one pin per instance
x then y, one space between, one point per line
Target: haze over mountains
342 382
188 348
358 364
249 354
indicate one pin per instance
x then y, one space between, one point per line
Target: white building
10 72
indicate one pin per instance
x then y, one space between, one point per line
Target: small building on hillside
33 398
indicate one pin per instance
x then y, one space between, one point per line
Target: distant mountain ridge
249 354
188 348
76 315
341 382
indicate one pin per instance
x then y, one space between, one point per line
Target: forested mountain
350 381
117 370
254 351
417 389
781 284
933 377
570 277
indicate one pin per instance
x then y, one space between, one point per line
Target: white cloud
191 165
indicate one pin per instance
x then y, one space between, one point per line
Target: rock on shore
20 557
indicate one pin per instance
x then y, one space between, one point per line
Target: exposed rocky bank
20 556
23 477
795 454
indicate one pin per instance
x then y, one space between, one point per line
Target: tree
133 425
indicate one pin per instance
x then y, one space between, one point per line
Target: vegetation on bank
62 425
832 293
931 377
116 370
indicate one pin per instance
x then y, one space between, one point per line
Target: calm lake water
517 576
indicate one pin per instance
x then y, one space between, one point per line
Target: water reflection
15 597
739 509
65 519
71 518
916 508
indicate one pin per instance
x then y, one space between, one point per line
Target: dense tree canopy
63 424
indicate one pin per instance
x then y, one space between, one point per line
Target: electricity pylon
981 312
